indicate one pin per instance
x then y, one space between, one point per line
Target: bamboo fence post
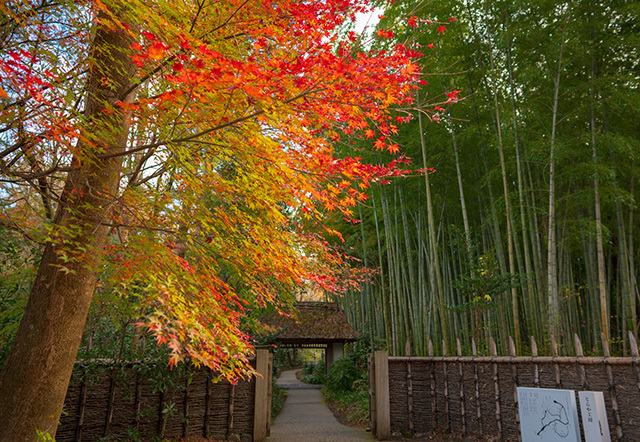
612 385
432 376
138 393
556 367
230 417
410 390
514 376
476 379
138 400
162 422
463 410
112 393
536 369
496 386
185 421
581 370
83 393
83 404
446 385
207 404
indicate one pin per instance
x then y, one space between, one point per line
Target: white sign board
548 415
594 416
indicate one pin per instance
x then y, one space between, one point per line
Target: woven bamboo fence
134 400
476 395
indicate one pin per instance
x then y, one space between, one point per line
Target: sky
367 20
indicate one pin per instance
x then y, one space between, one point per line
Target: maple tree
180 144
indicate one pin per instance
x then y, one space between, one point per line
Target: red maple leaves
235 111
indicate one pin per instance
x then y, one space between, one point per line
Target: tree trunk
34 382
383 293
552 260
433 244
632 271
596 194
531 304
515 315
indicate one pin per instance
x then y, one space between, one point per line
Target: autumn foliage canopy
231 116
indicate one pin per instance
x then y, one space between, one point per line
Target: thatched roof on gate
311 323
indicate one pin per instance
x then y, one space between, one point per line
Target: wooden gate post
261 407
372 393
381 386
270 393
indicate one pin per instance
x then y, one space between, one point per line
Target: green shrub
278 399
342 375
346 390
313 372
309 367
354 404
313 379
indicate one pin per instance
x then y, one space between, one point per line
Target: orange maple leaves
235 109
318 89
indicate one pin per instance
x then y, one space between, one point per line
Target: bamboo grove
526 224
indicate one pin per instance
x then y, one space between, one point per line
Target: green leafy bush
278 399
342 375
346 390
354 404
313 372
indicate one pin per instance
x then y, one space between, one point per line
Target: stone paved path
305 418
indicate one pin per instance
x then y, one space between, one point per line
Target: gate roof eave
311 323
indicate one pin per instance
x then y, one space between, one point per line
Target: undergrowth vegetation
346 384
345 391
313 372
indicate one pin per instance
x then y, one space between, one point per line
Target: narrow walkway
305 418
